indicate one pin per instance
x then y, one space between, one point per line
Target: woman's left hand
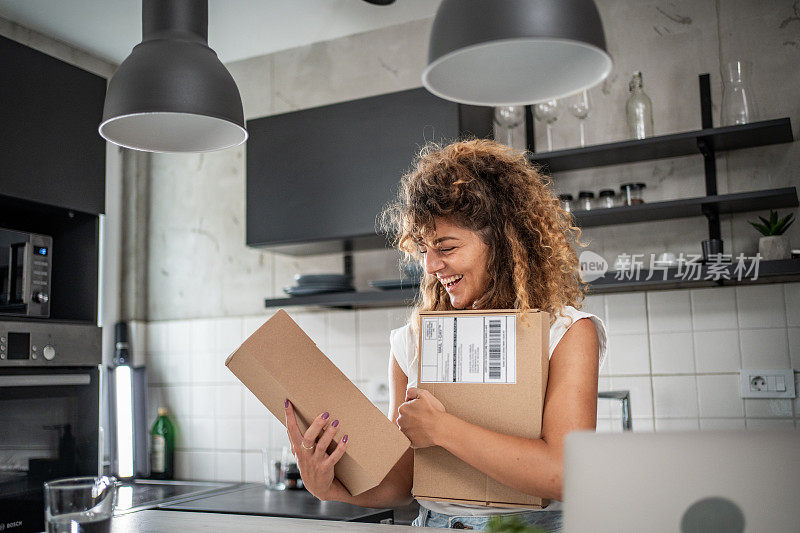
420 417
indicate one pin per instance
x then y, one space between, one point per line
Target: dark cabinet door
49 114
323 175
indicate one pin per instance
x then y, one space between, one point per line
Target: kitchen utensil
79 504
509 118
585 200
738 104
303 290
632 193
567 202
271 461
548 112
392 284
607 198
711 247
322 279
579 105
639 109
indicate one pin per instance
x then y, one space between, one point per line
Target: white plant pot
774 247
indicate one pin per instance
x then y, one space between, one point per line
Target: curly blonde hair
495 191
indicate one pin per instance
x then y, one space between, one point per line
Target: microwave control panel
26 344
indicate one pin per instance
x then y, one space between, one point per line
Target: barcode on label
495 349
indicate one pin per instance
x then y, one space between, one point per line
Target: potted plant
774 244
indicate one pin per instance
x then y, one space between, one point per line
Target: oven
50 383
25 272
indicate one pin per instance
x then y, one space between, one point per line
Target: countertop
171 521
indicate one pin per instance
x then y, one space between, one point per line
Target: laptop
686 482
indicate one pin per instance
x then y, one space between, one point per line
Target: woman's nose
433 262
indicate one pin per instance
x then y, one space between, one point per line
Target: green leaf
773 218
762 229
764 220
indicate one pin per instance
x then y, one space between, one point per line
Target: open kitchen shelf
768 272
689 207
675 145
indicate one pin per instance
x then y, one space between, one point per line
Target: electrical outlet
767 383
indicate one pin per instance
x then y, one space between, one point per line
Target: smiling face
459 259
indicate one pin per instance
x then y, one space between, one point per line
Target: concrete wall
678 351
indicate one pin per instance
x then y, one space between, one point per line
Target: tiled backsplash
678 352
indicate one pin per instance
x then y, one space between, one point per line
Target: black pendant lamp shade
172 93
515 52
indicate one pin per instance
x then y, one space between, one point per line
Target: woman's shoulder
566 318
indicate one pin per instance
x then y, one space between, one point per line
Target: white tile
373 326
156 373
672 353
176 367
156 397
252 406
178 399
203 336
791 292
675 396
628 354
251 323
719 396
201 465
204 401
229 434
794 347
761 306
156 337
603 405
228 466
373 362
608 426
714 308
253 467
641 396
714 424
204 368
768 407
229 400
277 434
228 335
182 467
764 348
314 324
596 305
341 328
717 351
669 311
257 433
643 425
200 433
344 357
626 313
179 337
398 317
769 424
677 424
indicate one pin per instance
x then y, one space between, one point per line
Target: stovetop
142 494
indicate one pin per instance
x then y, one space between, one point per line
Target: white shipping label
469 349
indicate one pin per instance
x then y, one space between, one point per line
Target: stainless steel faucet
624 397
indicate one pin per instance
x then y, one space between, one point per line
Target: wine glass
548 112
509 117
579 107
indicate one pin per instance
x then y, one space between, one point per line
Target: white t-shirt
404 350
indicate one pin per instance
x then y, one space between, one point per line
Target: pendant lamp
172 93
515 52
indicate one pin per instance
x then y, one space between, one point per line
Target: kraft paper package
488 368
280 361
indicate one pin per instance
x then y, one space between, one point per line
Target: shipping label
469 349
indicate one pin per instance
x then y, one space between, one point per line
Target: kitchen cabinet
318 178
52 153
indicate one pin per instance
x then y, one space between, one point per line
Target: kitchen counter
171 521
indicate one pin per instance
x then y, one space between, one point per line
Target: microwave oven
25 272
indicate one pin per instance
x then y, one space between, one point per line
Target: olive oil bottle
162 447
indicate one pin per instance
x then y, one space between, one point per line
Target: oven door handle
39 380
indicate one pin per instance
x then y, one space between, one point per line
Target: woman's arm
533 466
316 467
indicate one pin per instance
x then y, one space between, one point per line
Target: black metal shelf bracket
710 162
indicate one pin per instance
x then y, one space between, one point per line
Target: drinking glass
738 104
548 112
509 117
579 106
79 504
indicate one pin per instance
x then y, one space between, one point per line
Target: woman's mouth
450 281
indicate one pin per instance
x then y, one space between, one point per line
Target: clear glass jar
607 198
585 200
567 202
632 193
738 104
639 109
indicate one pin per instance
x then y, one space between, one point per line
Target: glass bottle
162 447
585 200
738 104
639 109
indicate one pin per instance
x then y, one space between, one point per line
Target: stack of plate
318 284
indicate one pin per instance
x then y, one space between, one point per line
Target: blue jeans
550 521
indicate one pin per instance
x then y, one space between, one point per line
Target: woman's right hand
310 449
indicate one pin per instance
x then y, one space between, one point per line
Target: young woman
491 235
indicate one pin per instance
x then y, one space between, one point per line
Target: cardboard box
500 376
280 361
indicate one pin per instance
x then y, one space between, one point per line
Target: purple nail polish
286 404
344 439
325 415
335 423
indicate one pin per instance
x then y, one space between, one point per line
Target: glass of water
79 504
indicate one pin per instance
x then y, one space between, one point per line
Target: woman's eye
443 250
